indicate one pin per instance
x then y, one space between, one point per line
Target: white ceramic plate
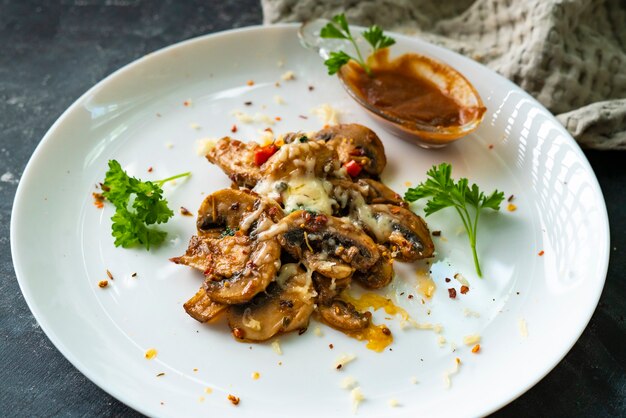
62 245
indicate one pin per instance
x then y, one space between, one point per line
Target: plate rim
47 328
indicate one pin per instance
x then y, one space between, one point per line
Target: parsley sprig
443 192
137 205
338 28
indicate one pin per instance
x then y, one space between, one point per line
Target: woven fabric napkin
569 54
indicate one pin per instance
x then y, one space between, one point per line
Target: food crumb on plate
256 376
205 145
233 399
276 347
541 253
413 380
150 354
318 331
278 99
348 382
288 75
393 403
469 313
327 114
195 126
103 283
449 373
185 212
208 390
471 339
476 349
169 145
511 207
357 397
160 374
523 327
343 360
441 341
201 399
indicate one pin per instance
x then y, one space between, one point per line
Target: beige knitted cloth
569 54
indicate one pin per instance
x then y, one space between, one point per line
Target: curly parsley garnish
137 205
443 192
338 28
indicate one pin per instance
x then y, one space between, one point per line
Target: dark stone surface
52 52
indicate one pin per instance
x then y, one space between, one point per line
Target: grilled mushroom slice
229 210
328 289
368 191
380 275
287 306
355 142
236 159
327 236
201 308
301 158
401 230
343 316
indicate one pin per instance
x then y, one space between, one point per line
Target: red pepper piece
264 154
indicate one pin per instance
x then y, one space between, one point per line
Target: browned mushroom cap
326 236
236 159
380 275
201 308
299 158
343 316
287 306
262 261
355 142
331 267
220 257
328 289
345 192
233 210
401 230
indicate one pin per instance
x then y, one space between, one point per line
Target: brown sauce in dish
398 89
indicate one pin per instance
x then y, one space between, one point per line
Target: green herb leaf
332 31
443 192
341 20
376 38
336 61
137 205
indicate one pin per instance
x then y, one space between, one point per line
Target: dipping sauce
419 95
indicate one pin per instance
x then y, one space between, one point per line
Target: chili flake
476 348
110 275
541 253
250 82
98 200
447 280
464 289
233 399
149 169
490 146
233 129
311 88
103 283
452 293
185 212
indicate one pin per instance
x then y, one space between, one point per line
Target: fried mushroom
286 306
201 308
236 159
343 316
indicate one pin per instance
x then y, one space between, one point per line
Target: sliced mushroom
287 306
369 191
231 210
330 267
219 257
328 289
201 308
262 261
343 316
301 158
380 275
402 231
355 142
236 159
328 237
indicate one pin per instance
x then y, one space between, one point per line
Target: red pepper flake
233 399
386 331
311 88
149 169
264 153
541 253
268 129
436 233
278 118
447 280
452 293
110 275
476 348
233 129
103 283
331 346
250 82
464 289
185 212
353 168
490 146
410 296
303 117
98 200
186 103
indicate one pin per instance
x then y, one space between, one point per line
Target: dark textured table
51 54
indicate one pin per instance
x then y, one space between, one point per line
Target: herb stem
473 244
361 61
162 182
